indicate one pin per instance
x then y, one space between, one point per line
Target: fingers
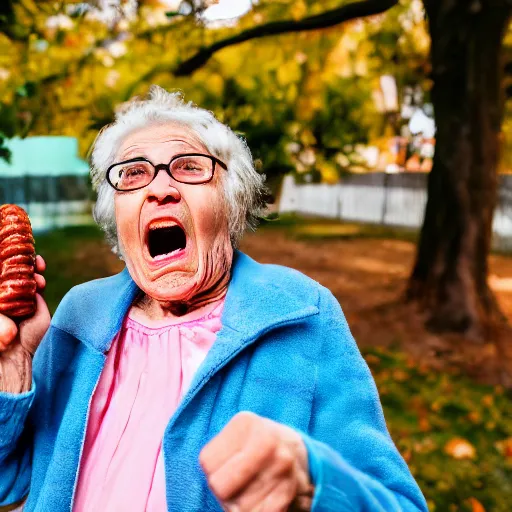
40 282
40 268
8 331
40 264
41 307
267 485
230 441
238 472
279 499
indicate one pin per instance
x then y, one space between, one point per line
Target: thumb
8 331
33 329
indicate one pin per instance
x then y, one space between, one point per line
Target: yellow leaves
289 73
361 66
157 38
291 93
246 82
8 50
329 171
460 448
298 10
232 60
71 41
32 66
214 83
154 3
307 138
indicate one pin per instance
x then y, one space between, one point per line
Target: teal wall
43 156
47 178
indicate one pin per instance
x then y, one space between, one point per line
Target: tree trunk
450 273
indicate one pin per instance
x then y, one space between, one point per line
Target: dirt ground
368 277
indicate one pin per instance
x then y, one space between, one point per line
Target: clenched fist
258 465
18 343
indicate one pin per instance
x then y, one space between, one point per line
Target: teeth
161 224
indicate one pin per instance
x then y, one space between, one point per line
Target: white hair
243 188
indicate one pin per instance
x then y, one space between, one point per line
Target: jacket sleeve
353 461
15 449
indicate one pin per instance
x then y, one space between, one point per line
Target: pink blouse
147 371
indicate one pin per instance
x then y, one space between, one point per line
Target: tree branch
327 19
354 10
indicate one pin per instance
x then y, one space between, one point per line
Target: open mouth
163 241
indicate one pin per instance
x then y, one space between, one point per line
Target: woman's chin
172 288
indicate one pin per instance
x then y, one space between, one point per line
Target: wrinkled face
173 236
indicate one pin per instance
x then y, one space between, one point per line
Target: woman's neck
155 310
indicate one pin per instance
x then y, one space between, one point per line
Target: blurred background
384 128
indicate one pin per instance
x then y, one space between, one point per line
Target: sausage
17 263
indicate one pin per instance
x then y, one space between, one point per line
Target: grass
435 417
309 228
432 417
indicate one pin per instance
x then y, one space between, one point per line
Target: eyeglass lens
186 169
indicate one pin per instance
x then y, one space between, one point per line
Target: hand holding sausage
18 342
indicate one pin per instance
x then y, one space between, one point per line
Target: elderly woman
196 379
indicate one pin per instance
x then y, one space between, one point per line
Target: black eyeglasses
190 168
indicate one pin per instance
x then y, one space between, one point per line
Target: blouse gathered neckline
194 317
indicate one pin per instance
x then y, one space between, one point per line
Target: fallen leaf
459 448
407 454
508 447
505 447
488 400
424 424
476 506
400 375
371 359
474 417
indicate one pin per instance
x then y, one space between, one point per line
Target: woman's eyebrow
134 152
131 153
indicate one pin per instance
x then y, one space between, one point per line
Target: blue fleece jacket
284 352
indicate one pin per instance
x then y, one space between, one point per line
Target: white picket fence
380 199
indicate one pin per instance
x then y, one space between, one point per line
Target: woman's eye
134 171
191 167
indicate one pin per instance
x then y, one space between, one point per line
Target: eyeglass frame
167 168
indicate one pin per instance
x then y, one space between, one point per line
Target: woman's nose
163 188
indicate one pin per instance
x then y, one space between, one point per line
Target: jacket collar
258 298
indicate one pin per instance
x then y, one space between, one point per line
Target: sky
226 9
220 11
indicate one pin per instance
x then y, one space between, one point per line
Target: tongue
166 240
